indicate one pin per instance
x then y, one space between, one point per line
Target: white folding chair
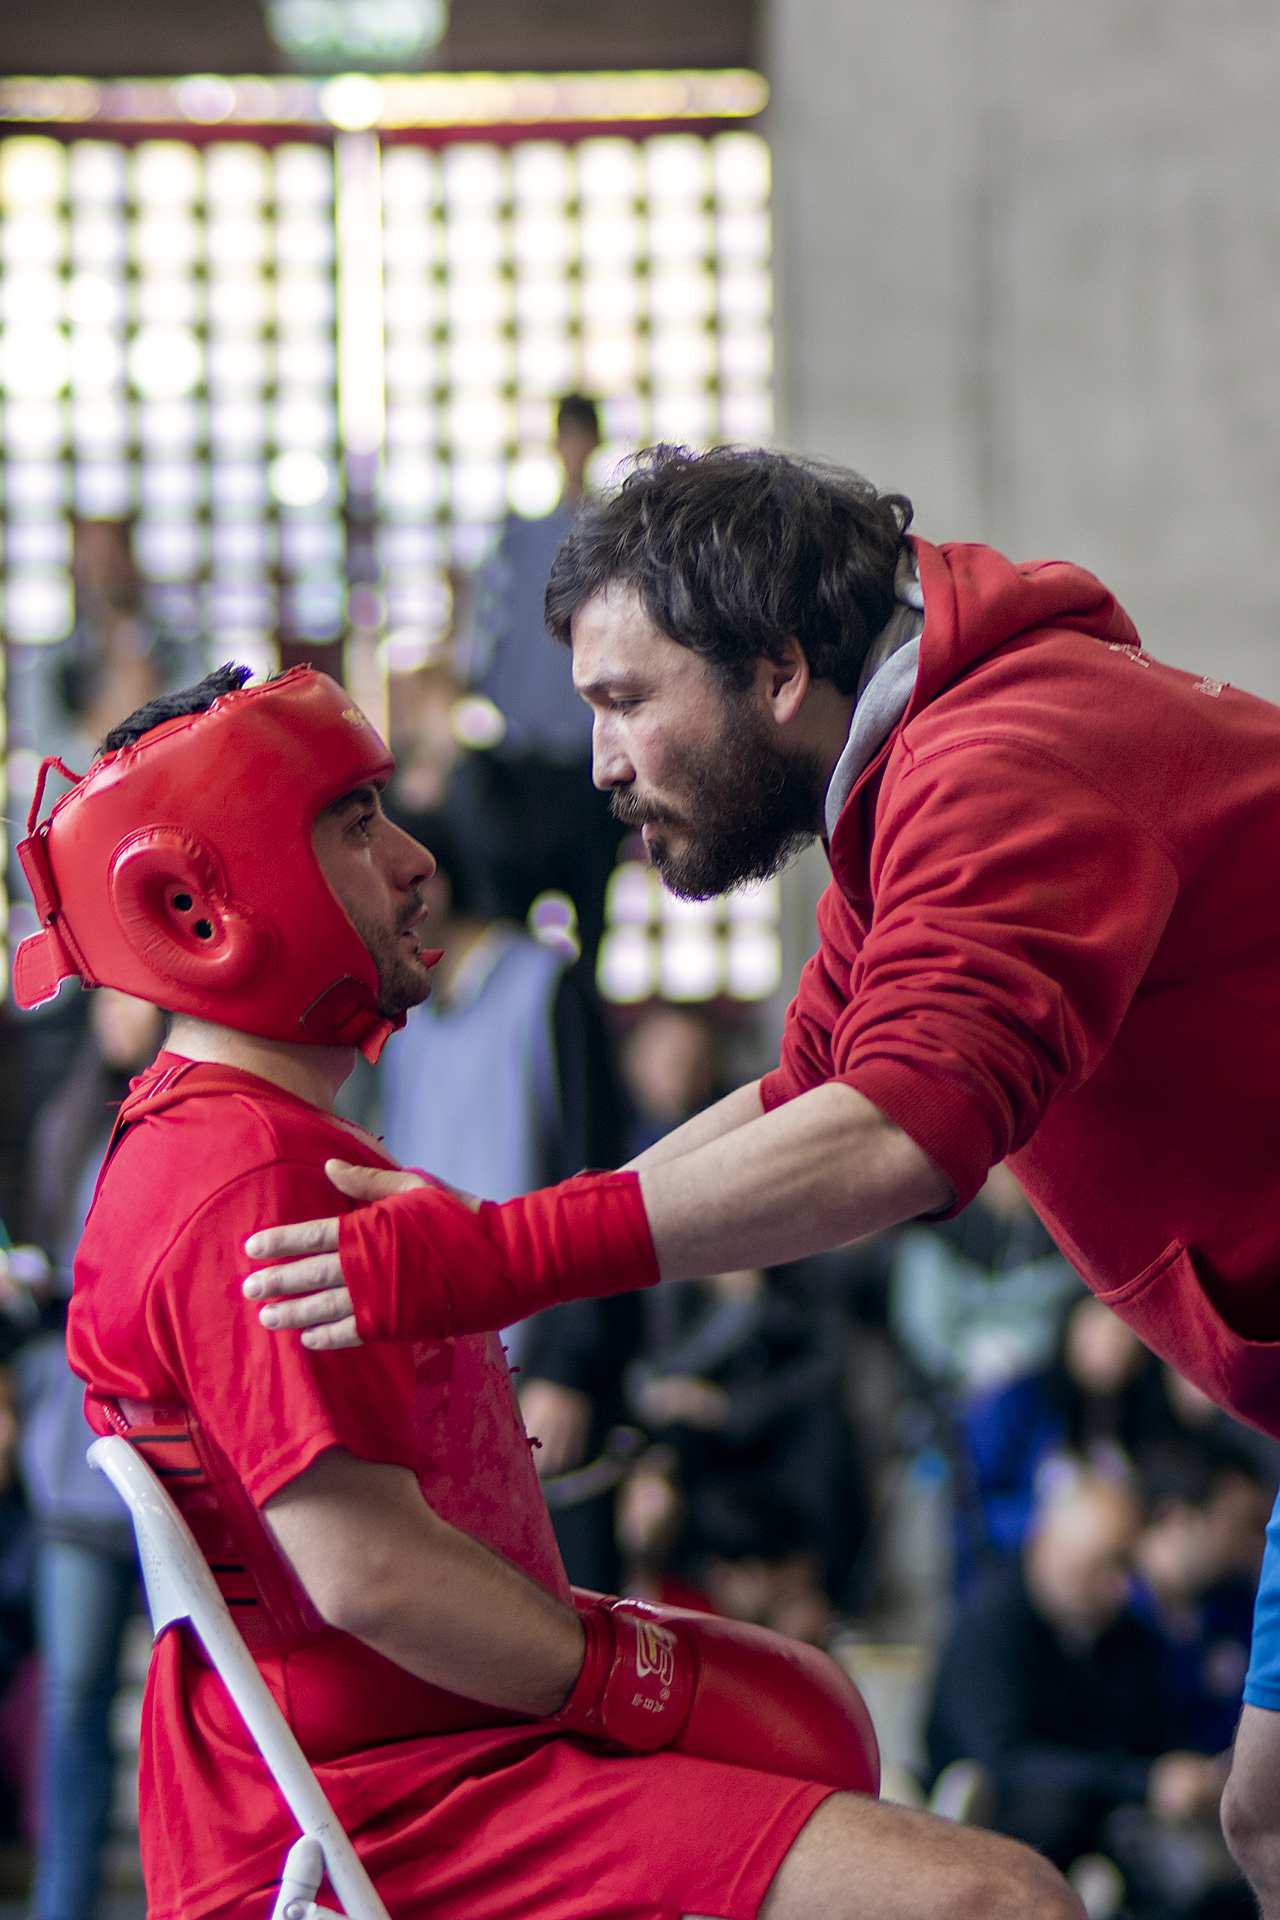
181 1587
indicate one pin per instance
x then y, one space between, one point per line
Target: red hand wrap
425 1264
720 1690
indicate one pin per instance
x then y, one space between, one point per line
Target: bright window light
168 549
167 243
93 300
32 172
166 173
304 241
533 485
98 240
753 963
743 236
540 173
37 606
36 486
678 233
627 966
746 356
102 490
690 964
236 243
27 297
305 421
165 362
759 901
300 478
235 175
633 896
353 101
302 176
740 168
675 168
609 170
475 177
100 424
167 302
681 356
34 362
33 427
747 416
31 240
97 173
39 543
96 361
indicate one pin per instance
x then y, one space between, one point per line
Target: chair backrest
181 1587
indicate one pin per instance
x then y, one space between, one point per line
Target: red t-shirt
210 1155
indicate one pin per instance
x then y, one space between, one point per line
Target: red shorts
568 1832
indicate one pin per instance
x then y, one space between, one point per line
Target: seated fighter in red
495 1745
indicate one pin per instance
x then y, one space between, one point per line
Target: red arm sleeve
1017 909
425 1264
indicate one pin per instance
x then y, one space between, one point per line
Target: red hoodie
1053 932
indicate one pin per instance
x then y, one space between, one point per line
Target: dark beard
747 808
402 982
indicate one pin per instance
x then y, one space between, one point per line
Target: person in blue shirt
1196 1572
527 805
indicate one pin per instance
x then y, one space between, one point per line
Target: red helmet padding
182 869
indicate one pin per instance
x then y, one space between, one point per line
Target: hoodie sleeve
1017 908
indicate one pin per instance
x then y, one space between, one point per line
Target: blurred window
169 349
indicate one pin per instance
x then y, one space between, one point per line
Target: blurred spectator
19 1683
420 720
61 699
86 1572
978 1304
1058 1689
501 1082
671 1068
527 803
572 1359
1198 1560
755 1559
740 1375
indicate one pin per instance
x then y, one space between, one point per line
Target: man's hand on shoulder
306 1265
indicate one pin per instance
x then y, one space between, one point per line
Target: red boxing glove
425 1264
721 1690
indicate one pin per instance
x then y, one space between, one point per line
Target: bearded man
1052 936
496 1745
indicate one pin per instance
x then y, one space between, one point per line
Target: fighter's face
377 872
700 769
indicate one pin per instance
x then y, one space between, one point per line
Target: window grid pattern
169 350
658 946
636 271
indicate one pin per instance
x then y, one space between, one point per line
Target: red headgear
181 869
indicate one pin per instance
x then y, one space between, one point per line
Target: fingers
342 1333
304 1236
299 1276
316 1310
370 1183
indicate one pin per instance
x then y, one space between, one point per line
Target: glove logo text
655 1652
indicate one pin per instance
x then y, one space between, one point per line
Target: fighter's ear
170 897
783 682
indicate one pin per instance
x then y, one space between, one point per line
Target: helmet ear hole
159 880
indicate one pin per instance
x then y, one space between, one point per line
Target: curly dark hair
733 551
175 706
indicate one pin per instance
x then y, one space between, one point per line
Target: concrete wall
1029 272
